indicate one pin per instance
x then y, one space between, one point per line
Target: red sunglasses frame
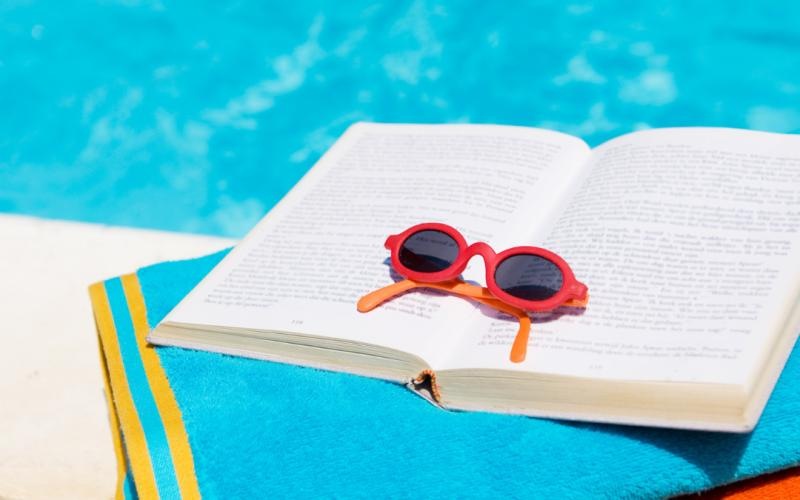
570 289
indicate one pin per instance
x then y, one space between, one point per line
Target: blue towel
225 427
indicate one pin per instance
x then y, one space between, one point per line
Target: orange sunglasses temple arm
518 349
459 287
373 299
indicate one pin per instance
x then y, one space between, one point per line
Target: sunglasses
524 278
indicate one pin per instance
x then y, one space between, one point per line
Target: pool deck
56 439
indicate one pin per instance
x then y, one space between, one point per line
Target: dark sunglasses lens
529 277
428 251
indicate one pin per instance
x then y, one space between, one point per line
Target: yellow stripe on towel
135 441
116 437
167 406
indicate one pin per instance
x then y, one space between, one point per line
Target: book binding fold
425 386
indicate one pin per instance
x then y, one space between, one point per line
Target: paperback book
687 238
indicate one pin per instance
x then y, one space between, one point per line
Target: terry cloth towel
192 422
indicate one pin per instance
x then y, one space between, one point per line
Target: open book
688 239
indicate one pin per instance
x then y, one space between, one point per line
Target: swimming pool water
195 118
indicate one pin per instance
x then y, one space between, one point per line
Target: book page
303 268
688 242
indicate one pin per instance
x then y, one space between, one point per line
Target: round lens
529 277
428 251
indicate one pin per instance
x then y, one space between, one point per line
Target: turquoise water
198 118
